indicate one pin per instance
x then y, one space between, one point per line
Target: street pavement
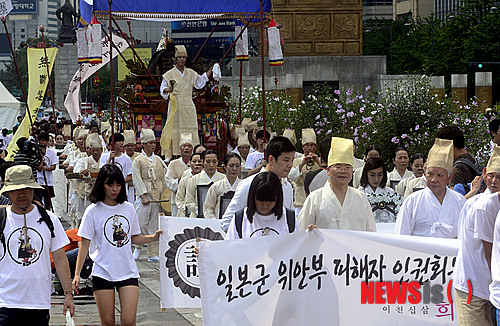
148 310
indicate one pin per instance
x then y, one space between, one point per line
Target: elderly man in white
433 211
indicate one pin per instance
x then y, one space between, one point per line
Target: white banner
319 278
179 275
72 100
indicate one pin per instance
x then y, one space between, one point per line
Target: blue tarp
172 9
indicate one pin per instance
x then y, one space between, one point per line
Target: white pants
148 221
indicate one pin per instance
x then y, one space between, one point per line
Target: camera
31 148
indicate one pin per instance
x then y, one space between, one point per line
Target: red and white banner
328 277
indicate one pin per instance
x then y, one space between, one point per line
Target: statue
65 14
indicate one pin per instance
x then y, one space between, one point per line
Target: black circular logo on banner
182 263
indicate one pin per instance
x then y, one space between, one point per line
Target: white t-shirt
110 229
123 162
5 141
254 160
25 270
50 159
261 226
478 225
495 266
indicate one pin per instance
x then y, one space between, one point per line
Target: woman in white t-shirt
265 214
109 227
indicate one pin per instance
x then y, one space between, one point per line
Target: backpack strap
238 222
471 165
3 220
290 219
45 218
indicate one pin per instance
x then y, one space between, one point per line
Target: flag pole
263 70
42 29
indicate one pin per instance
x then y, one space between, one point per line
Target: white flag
5 7
72 101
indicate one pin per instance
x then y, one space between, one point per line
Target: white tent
9 108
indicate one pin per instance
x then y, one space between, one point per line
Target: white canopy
9 108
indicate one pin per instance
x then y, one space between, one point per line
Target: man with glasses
336 205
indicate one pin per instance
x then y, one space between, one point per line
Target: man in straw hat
28 235
302 165
433 211
178 166
336 205
179 82
148 176
474 255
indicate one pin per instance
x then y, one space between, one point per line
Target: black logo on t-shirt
25 245
116 230
262 232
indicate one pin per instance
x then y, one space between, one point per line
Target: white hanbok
322 208
423 215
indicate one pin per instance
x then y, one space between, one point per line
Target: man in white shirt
336 205
5 139
433 211
255 161
118 158
177 167
30 233
474 256
280 155
44 174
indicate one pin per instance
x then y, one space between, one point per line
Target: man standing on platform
178 166
182 117
148 175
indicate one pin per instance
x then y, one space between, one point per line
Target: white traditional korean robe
202 178
415 183
174 171
211 206
421 214
323 209
394 176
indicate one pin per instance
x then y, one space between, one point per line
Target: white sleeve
201 81
164 85
231 234
238 202
294 174
60 239
79 166
404 221
103 160
86 229
306 215
172 183
53 158
484 224
127 167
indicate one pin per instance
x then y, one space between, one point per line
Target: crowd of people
111 187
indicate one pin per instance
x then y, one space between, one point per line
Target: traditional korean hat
290 134
441 154
76 131
66 131
494 162
105 126
129 136
93 141
180 50
341 151
246 122
147 135
308 136
243 139
238 131
83 133
186 138
273 134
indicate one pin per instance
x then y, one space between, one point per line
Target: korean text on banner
72 101
37 81
179 275
327 277
5 7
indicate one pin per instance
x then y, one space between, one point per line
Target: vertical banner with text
179 274
37 85
328 277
